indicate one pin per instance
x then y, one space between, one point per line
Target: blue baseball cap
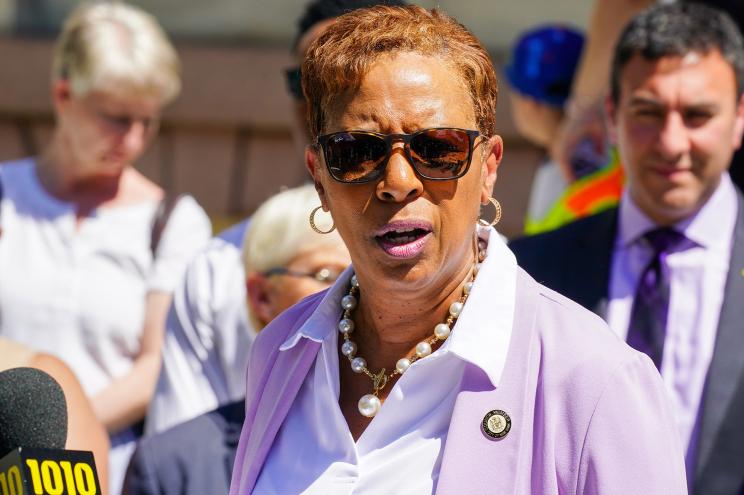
543 63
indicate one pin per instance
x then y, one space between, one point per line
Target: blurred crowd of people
156 331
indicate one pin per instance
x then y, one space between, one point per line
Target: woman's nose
136 137
400 182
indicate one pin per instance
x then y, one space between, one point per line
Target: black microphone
33 411
33 433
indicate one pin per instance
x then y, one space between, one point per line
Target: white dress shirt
401 449
207 336
697 283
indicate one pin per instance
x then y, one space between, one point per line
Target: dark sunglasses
293 78
435 154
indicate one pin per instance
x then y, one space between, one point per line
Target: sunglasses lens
355 156
441 153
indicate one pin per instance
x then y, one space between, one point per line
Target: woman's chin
406 268
103 185
112 168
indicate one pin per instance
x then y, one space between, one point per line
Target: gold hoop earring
314 226
496 219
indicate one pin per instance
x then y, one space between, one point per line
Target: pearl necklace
370 404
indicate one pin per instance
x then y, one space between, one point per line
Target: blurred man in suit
666 268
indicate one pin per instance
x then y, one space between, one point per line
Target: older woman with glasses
434 363
284 259
91 249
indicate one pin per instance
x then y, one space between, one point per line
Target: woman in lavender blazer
435 364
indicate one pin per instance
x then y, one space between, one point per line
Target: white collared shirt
401 449
207 338
697 282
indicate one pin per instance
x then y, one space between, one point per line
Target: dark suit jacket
193 458
575 260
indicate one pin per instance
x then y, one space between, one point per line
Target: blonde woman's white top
78 292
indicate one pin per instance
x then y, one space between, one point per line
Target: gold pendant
380 380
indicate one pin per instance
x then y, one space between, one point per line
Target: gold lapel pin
496 424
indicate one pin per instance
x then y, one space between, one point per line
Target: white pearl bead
348 349
442 331
354 281
477 268
402 365
423 349
467 288
369 405
455 309
348 302
358 364
346 325
481 255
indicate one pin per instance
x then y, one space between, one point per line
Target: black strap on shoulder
162 214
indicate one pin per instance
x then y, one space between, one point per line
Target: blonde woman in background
86 276
285 261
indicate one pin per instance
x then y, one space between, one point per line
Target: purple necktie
648 318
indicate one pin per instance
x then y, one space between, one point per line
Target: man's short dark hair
321 10
676 30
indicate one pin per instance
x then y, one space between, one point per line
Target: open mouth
403 239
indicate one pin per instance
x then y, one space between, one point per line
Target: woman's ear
259 297
494 153
314 165
61 94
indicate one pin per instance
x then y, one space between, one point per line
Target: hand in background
581 145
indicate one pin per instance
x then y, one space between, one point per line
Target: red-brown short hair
337 61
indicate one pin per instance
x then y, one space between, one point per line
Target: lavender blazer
589 414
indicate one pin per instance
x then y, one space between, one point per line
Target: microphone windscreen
33 411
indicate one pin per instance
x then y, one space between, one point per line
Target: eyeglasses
441 153
325 275
293 78
122 123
